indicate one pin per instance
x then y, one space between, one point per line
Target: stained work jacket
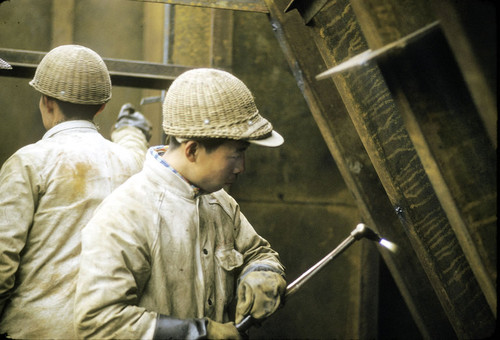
156 246
48 192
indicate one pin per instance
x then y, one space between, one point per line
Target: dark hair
210 144
77 111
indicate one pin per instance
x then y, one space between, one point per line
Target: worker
50 189
164 253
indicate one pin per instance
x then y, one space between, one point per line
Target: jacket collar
162 173
69 125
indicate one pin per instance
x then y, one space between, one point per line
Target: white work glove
259 294
128 116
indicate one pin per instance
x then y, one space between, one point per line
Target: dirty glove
259 294
172 328
128 116
216 330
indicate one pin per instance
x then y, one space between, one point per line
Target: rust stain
78 183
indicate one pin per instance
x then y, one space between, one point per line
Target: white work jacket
48 192
156 246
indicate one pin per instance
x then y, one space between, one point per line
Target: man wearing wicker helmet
49 190
166 254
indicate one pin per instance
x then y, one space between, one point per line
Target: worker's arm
261 283
19 192
133 131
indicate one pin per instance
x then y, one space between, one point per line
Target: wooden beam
235 5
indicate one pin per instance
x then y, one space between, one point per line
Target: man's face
221 166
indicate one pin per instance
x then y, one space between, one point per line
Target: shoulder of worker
28 158
132 201
48 153
224 200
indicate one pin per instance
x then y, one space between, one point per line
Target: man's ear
191 150
101 109
48 103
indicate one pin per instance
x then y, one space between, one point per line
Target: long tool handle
293 287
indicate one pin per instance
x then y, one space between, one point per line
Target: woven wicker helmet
210 103
73 74
4 65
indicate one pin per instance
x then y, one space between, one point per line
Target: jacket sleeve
19 190
133 140
114 268
173 328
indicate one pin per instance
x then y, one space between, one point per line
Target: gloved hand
128 116
216 330
259 294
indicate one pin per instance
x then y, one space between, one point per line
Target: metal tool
361 231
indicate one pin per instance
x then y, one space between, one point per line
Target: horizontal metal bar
130 73
235 5
365 57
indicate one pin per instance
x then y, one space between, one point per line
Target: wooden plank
382 130
332 117
235 5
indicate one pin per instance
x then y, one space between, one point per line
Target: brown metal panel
63 14
192 36
454 148
470 29
155 30
384 135
385 21
329 111
446 129
236 5
221 52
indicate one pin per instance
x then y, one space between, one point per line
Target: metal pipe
361 231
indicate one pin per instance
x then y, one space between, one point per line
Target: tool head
362 231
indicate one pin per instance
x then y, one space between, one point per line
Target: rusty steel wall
294 195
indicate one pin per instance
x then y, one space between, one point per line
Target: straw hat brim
274 140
